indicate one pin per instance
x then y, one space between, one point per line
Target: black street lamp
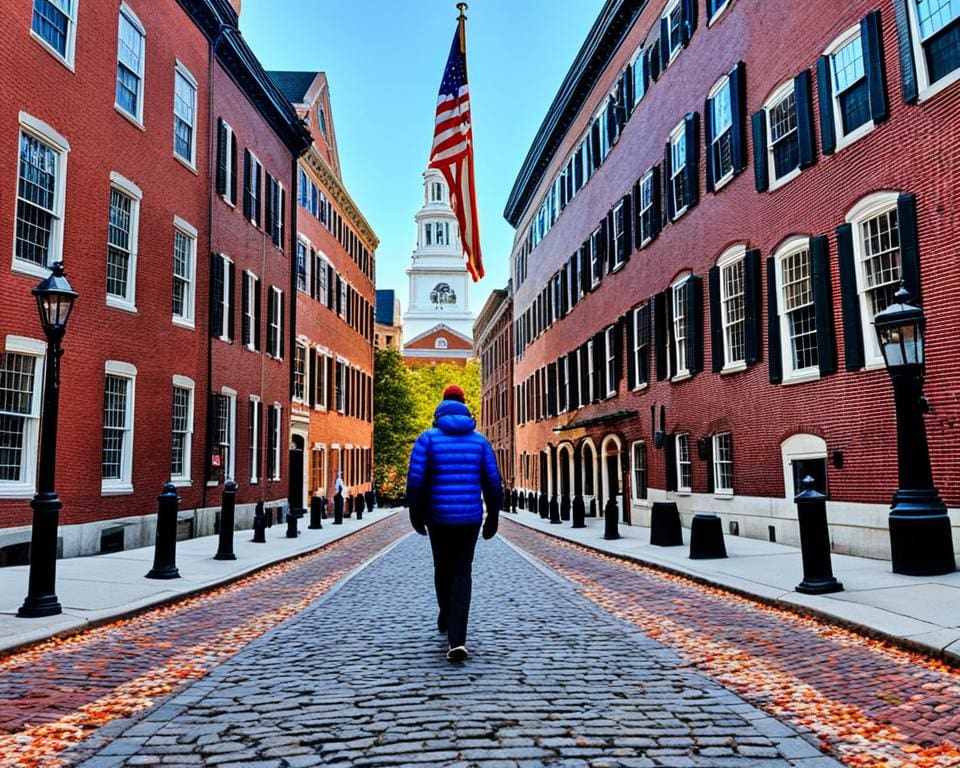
920 537
55 300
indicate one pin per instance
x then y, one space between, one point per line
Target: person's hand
416 520
490 525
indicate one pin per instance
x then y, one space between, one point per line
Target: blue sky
384 61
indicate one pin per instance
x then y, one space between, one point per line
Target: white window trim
278 444
681 374
563 365
669 9
123 485
26 488
302 343
324 355
867 208
635 315
634 498
925 89
184 480
255 462
136 119
594 275
190 231
189 162
609 356
230 469
251 315
717 88
619 259
721 9
729 257
133 192
844 140
687 489
772 181
719 491
590 372
225 303
68 58
307 266
230 170
40 130
790 376
676 134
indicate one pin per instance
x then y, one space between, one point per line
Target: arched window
322 121
440 343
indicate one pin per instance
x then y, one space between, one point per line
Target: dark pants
453 547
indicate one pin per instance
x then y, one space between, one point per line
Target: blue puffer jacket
451 467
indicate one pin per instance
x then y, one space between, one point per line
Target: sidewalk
922 612
95 589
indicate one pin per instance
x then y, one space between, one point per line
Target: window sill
30 269
228 201
682 376
777 183
184 323
128 117
683 492
122 304
17 491
186 164
944 82
733 368
52 51
182 483
723 495
640 387
854 136
114 488
617 267
212 483
874 365
722 182
679 213
800 378
225 339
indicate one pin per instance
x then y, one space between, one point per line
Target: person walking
453 473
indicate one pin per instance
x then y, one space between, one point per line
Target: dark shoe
460 653
441 624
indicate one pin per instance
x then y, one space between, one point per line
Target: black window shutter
268 212
312 386
774 360
803 98
244 308
585 267
331 386
584 374
716 320
909 244
222 154
849 300
738 113
575 277
710 480
668 329
760 175
283 213
668 205
871 39
656 204
825 100
603 237
653 57
610 257
823 304
664 43
637 225
271 309
216 295
230 278
670 462
552 389
643 372
689 20
752 305
691 173
595 144
611 120
631 345
695 324
233 168
660 335
330 286
599 367
708 144
258 184
618 353
574 379
283 320
908 67
256 315
627 242
247 176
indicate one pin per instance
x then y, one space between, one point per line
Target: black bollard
227 522
358 506
259 525
531 502
348 499
165 551
565 507
292 529
593 507
706 537
611 513
665 528
514 497
818 576
315 513
579 512
323 507
543 506
338 508
369 498
554 510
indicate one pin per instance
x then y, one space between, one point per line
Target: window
935 33
274 211
227 162
222 300
342 308
300 372
118 400
723 463
224 420
273 442
684 467
251 311
122 249
721 132
784 146
848 86
322 120
436 192
318 473
182 445
673 16
680 327
638 337
130 61
255 415
620 246
321 268
563 383
252 187
275 323
21 388
732 309
54 23
798 321
184 115
610 344
678 165
647 213
596 257
341 385
440 343
640 72
638 455
301 266
184 271
714 7
320 396
40 200
591 374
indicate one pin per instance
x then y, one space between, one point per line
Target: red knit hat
453 392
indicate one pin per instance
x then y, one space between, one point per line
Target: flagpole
461 20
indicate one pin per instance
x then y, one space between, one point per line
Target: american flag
452 152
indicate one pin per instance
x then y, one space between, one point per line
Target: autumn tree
393 422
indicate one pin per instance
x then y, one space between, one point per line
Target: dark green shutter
825 99
573 276
689 20
595 144
908 67
631 345
691 171
849 300
716 320
585 267
871 40
803 98
909 245
551 389
708 138
695 324
774 359
311 394
653 57
230 280
823 305
660 335
258 204
584 374
752 305
738 113
760 175
233 168
664 43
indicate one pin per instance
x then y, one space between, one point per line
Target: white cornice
339 195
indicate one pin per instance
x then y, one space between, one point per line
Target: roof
293 85
603 41
386 298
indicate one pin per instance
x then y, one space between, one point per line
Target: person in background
453 473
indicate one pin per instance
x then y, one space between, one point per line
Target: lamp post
920 538
55 300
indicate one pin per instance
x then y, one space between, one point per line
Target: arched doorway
565 474
612 470
298 478
588 474
803 455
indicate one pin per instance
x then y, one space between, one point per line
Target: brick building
388 322
493 341
707 222
331 425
